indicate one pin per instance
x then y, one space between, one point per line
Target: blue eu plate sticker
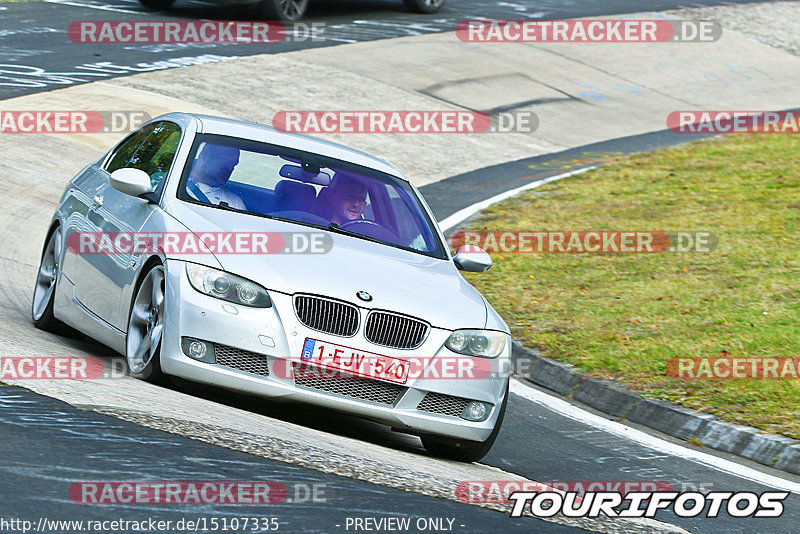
308 349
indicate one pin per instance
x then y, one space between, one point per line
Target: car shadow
310 416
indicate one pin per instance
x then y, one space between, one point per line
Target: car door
76 208
87 270
103 276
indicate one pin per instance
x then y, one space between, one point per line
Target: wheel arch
147 266
53 226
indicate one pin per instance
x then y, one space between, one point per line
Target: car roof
209 124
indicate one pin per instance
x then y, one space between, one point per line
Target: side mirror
130 181
472 258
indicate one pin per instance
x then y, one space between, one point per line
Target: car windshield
308 189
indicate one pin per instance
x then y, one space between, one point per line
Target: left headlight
227 286
483 343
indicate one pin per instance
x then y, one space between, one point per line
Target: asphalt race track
37 56
88 442
47 445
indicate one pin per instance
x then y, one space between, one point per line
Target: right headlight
483 343
226 286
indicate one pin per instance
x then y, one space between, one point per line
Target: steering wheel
370 229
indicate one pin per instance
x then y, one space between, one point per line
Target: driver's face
349 205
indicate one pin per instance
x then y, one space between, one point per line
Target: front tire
44 293
156 4
283 10
424 6
463 450
146 327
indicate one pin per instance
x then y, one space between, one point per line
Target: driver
348 200
211 173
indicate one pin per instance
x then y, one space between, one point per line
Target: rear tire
424 6
156 4
283 10
146 327
463 450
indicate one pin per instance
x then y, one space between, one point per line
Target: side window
152 150
127 149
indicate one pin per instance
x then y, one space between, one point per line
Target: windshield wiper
333 227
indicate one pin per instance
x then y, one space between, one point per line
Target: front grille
396 331
443 404
243 360
308 376
325 315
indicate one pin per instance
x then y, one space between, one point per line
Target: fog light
197 350
201 351
475 411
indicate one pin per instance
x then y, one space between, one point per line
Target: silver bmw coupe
294 10
227 253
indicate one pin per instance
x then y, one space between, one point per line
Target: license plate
354 361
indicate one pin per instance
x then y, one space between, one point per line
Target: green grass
624 316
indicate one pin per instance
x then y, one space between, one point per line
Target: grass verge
623 316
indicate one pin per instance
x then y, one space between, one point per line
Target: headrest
293 194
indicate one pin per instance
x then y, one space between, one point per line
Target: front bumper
277 334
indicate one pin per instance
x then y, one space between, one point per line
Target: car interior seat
322 206
294 196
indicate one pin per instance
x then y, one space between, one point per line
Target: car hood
398 280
